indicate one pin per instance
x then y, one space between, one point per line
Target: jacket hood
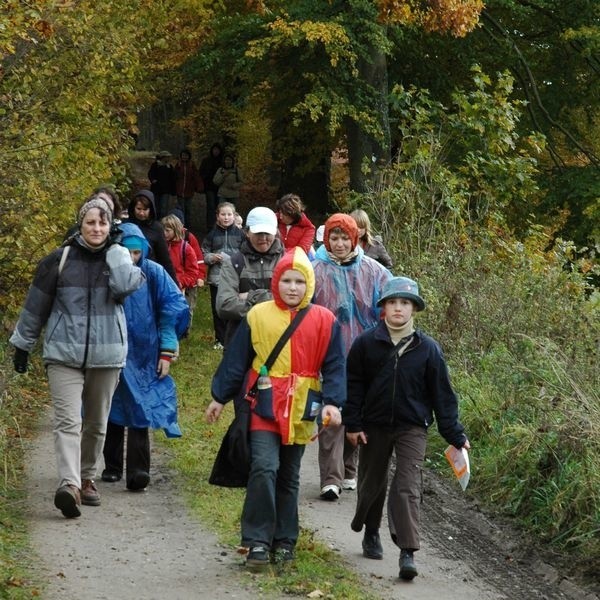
132 230
346 223
293 259
146 194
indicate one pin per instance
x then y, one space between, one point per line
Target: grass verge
220 508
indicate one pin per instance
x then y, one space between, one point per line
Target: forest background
467 130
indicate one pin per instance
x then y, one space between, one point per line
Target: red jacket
185 261
195 244
187 179
300 234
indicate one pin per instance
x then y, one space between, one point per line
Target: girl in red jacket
295 228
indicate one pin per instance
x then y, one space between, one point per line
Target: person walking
142 212
76 295
209 165
187 183
372 246
307 379
295 228
246 279
348 283
146 396
398 384
228 180
162 181
223 240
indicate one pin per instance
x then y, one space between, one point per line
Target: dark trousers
270 513
219 324
406 488
138 449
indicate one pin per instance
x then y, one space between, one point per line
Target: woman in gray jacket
76 295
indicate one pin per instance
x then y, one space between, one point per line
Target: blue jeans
270 513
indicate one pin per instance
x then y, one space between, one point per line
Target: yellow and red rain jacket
309 372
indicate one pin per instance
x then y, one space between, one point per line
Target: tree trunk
362 144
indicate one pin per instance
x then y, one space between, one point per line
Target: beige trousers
81 400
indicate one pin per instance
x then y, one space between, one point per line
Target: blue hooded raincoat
156 315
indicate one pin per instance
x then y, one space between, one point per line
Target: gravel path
146 546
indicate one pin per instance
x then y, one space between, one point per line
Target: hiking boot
110 476
89 493
371 545
408 570
68 500
282 555
349 484
330 492
138 481
258 558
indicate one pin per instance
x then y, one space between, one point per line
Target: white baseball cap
262 220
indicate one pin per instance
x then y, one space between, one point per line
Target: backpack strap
63 258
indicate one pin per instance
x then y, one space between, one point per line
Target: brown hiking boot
89 493
68 500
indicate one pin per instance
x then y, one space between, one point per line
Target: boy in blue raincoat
145 397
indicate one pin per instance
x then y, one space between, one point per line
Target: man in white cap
246 278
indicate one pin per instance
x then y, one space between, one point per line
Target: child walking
397 383
348 283
223 240
308 379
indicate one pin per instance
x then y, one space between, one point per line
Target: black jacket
153 231
391 392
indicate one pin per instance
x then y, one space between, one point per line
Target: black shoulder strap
285 336
397 350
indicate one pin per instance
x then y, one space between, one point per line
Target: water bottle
264 381
264 401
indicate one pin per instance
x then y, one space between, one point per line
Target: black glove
20 360
115 236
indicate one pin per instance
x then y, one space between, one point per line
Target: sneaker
349 484
89 493
282 555
68 500
330 492
138 481
408 570
217 346
371 545
258 557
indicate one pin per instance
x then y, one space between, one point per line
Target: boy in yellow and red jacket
308 379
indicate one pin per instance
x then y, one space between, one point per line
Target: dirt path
145 546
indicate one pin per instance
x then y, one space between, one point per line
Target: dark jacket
220 240
247 271
209 166
390 392
154 232
377 251
162 178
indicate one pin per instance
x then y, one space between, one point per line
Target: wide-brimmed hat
164 154
401 287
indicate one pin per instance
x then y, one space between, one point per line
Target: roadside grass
21 402
220 508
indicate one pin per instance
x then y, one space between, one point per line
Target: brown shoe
68 500
89 493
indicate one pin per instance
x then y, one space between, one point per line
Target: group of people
217 177
117 297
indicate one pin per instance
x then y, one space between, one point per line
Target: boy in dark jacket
397 382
